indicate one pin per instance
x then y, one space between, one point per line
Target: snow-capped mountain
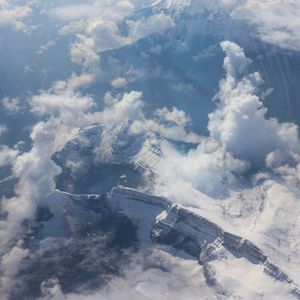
149 150
91 154
99 234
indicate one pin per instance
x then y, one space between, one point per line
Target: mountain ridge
158 221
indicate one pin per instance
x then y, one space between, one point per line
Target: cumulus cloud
172 124
246 172
240 124
241 137
102 26
35 169
118 82
10 267
14 15
11 105
174 115
124 115
77 81
62 103
209 169
128 108
157 23
63 113
83 52
7 155
107 35
3 129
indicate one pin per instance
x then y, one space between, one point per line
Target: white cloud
124 115
77 81
240 124
45 47
209 169
3 129
106 34
175 116
103 28
81 11
163 121
10 267
166 277
157 23
73 28
155 274
14 15
62 103
63 113
262 204
128 110
11 105
277 21
118 82
83 52
7 155
171 124
241 137
183 88
74 11
97 28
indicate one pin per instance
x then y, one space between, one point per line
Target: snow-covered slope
124 222
91 163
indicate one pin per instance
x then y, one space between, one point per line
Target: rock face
108 228
93 163
203 240
93 145
182 229
77 240
122 195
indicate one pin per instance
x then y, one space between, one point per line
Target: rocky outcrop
125 194
94 163
151 220
204 240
